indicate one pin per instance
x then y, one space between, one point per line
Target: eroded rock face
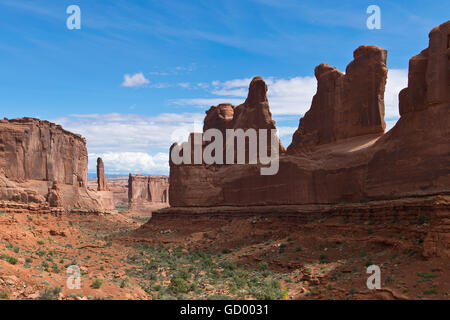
102 184
253 113
37 155
429 74
414 157
31 149
9 190
340 153
144 192
345 105
54 197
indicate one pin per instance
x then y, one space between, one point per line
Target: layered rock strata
340 152
147 192
40 161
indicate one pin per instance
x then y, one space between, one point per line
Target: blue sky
180 57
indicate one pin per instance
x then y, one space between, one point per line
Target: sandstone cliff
345 105
31 149
146 192
40 160
340 152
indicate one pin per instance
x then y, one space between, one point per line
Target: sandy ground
318 258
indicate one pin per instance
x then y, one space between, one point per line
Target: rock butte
339 152
41 162
146 192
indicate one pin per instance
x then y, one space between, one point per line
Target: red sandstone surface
35 155
146 192
340 152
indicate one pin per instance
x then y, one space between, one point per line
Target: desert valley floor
263 254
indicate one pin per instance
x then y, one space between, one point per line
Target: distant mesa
147 192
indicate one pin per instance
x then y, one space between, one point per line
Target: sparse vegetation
427 275
49 294
11 260
97 283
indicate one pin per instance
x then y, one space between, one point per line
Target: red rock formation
144 192
253 113
54 197
345 105
34 154
414 157
339 153
102 184
31 149
9 190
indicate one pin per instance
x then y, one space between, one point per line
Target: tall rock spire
101 179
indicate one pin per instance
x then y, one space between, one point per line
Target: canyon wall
147 192
39 160
345 105
31 149
340 152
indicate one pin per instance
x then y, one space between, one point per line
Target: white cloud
286 96
120 136
286 132
131 162
135 80
291 96
396 81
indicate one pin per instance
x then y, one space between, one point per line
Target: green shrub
429 291
97 283
9 259
219 297
44 266
183 274
267 290
427 275
124 283
179 285
49 294
263 266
